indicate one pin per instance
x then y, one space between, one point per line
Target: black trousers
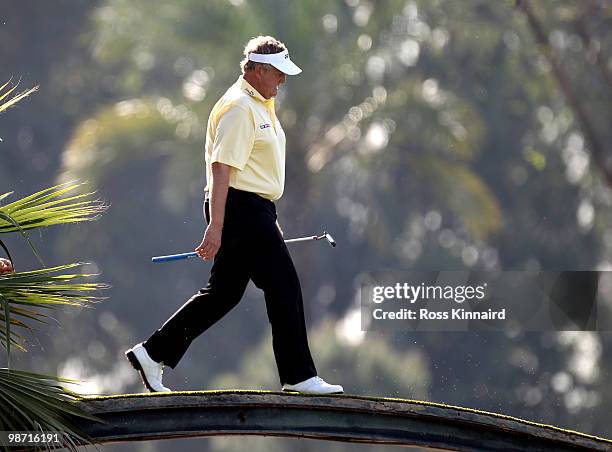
252 248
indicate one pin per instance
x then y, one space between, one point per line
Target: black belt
241 194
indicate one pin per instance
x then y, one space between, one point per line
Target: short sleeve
234 138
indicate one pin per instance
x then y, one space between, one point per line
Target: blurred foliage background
436 134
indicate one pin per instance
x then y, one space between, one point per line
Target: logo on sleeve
265 126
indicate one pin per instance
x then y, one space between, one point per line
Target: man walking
245 172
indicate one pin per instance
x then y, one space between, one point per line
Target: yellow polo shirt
243 132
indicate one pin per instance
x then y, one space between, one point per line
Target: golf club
175 257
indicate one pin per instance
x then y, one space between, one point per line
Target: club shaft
181 256
301 239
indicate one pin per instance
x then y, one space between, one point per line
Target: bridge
140 417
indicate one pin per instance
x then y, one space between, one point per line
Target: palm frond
7 217
7 326
24 294
16 98
17 339
31 401
48 207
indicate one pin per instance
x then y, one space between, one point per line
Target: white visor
280 61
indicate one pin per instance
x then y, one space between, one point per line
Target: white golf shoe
150 371
314 385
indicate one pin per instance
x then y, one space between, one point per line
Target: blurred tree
580 31
424 134
576 42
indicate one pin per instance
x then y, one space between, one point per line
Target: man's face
270 79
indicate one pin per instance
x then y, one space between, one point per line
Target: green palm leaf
28 399
48 207
15 99
24 294
7 217
7 326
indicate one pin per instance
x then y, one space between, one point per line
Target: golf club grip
174 257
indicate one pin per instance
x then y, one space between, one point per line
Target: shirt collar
248 88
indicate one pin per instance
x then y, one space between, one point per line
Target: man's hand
210 243
5 266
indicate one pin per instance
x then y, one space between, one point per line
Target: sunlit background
423 134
